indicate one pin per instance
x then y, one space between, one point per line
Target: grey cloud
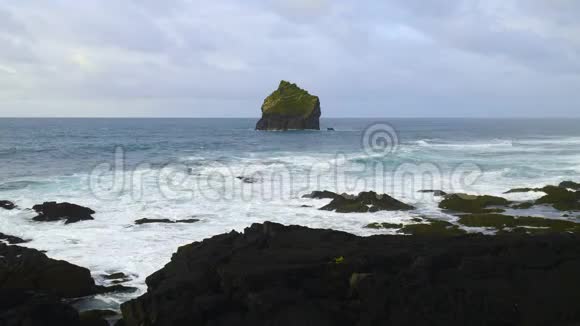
401 57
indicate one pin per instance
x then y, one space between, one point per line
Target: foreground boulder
28 269
5 204
365 202
70 213
289 275
29 308
290 107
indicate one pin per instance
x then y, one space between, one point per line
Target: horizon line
376 117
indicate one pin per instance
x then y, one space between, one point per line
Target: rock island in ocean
290 108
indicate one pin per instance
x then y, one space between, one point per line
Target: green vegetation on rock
472 204
435 228
290 100
526 205
560 198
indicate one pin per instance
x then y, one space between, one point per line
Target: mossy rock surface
472 204
560 198
526 205
501 222
365 202
434 228
290 100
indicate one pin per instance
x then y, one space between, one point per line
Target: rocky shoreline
485 267
290 275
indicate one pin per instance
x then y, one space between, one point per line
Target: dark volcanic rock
12 239
165 220
7 205
96 317
365 202
29 269
436 193
71 213
520 190
248 179
472 204
28 308
276 275
290 107
570 185
117 288
325 194
525 205
531 224
433 228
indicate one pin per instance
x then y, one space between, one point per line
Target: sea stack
290 108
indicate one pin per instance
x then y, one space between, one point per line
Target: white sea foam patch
496 143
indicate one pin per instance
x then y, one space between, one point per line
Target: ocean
128 169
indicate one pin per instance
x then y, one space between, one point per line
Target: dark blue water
40 147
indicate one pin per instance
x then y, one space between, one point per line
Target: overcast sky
220 58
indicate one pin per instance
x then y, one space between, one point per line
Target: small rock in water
366 202
436 193
325 194
473 204
71 213
248 179
165 220
7 205
152 220
570 185
115 289
117 278
526 205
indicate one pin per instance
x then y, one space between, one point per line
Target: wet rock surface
30 308
365 202
28 269
248 179
5 204
97 317
325 194
473 204
436 193
278 275
70 213
165 220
